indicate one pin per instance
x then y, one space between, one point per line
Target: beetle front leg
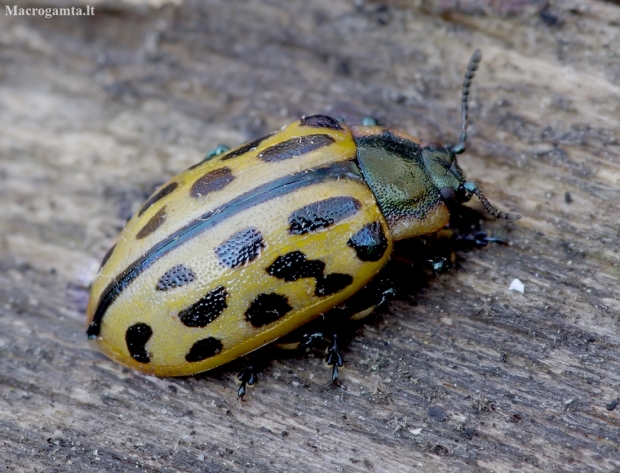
477 239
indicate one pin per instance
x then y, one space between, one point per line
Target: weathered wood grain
458 374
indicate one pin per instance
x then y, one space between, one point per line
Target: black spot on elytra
369 243
244 149
321 121
211 182
158 196
203 349
177 276
295 147
107 255
136 337
322 214
243 247
267 308
206 310
294 265
153 224
332 283
266 192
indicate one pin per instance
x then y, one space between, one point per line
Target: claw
479 239
334 358
247 378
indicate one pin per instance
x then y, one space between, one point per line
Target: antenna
469 75
472 187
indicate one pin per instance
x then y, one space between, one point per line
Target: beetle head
440 161
448 177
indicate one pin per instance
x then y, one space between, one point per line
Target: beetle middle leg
334 327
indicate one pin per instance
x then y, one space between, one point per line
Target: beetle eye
448 195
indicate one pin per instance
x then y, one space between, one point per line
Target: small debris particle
415 431
568 198
440 450
517 285
612 405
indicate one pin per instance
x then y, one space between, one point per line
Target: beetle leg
440 264
338 321
297 340
334 358
370 121
478 239
374 295
310 338
221 149
247 377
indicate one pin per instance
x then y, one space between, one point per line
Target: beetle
252 243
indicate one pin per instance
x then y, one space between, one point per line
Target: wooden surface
459 373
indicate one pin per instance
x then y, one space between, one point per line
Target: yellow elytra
255 196
249 245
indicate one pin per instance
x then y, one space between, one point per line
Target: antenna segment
469 75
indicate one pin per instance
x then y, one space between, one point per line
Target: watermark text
14 10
